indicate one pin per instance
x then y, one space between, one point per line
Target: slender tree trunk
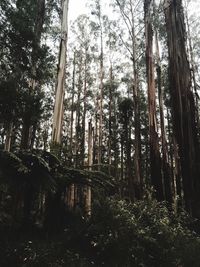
71 189
72 110
84 111
115 143
58 107
34 129
155 160
138 183
129 173
90 161
165 163
101 95
122 165
9 130
78 119
110 137
25 139
95 139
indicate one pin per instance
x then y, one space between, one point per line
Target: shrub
141 234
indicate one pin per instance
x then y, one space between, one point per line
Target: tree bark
78 118
9 130
138 181
165 163
193 72
84 110
72 110
183 106
88 201
101 95
58 107
110 137
155 160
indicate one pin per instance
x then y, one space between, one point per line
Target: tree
99 26
183 105
58 107
20 53
167 175
127 11
28 126
126 113
155 159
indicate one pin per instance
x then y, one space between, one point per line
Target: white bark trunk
58 108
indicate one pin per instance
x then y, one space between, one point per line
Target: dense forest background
99 134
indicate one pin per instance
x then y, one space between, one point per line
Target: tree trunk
122 165
95 138
155 160
193 72
9 130
84 111
110 137
165 163
58 107
78 119
72 111
138 181
183 107
129 174
115 142
88 201
101 95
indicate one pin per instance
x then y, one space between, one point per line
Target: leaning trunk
58 107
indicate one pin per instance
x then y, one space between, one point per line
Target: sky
77 7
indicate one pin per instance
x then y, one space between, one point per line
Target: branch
125 17
125 45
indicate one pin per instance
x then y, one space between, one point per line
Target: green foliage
141 234
36 182
118 234
22 60
32 253
41 168
126 110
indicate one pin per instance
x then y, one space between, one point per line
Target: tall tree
128 13
183 104
155 159
167 178
58 107
88 192
98 13
126 113
21 52
27 128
